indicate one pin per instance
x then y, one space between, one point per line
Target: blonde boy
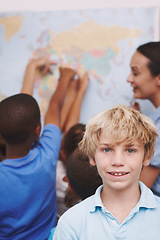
119 141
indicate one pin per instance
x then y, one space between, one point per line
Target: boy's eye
130 150
106 150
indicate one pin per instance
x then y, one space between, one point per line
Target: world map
100 41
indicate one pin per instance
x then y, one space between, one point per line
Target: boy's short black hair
19 117
83 178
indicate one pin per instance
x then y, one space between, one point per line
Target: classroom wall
105 89
51 5
38 5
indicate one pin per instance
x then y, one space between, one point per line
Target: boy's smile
118 173
119 164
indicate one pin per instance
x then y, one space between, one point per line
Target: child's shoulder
51 131
83 209
157 199
51 126
79 210
148 199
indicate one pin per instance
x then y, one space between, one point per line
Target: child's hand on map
83 82
43 64
67 73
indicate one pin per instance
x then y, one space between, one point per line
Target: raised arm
75 110
43 64
70 98
53 114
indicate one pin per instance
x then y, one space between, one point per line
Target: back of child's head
20 115
2 149
120 123
83 178
72 138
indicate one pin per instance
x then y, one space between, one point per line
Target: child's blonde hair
121 123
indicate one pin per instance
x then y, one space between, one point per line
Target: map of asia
100 41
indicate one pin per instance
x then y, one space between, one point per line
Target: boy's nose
118 159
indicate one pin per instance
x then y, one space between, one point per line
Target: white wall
45 5
51 5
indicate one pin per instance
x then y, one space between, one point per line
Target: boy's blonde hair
120 123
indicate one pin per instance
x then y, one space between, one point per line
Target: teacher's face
140 78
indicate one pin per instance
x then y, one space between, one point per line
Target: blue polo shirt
28 204
89 220
155 160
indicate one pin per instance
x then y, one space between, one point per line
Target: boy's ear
158 80
92 161
65 179
146 162
38 130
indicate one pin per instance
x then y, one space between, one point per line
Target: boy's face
119 165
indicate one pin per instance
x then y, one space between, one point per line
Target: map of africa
99 41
